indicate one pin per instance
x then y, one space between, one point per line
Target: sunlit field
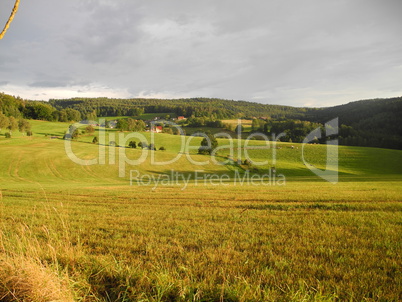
71 232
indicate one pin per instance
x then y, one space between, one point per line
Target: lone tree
208 144
95 140
132 144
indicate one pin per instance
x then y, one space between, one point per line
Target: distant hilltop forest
372 123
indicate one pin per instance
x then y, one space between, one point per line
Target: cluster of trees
37 110
12 124
130 124
197 122
132 144
11 106
295 130
73 133
44 111
144 145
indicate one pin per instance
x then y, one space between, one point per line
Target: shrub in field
8 135
90 129
208 145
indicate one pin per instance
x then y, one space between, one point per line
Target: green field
71 232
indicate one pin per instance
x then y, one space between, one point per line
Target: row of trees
213 108
133 144
144 145
204 122
19 108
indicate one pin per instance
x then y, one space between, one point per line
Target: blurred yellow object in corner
10 19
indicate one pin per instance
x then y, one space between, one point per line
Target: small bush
8 135
95 140
75 134
162 148
90 129
29 133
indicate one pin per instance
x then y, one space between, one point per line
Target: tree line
374 123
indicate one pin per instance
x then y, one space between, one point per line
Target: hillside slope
375 122
45 160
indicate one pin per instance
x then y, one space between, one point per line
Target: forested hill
198 107
374 123
370 113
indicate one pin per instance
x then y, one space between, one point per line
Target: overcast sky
299 53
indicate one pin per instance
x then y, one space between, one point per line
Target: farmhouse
157 129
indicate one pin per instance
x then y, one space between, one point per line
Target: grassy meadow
71 232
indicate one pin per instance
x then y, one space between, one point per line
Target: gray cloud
292 52
47 84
